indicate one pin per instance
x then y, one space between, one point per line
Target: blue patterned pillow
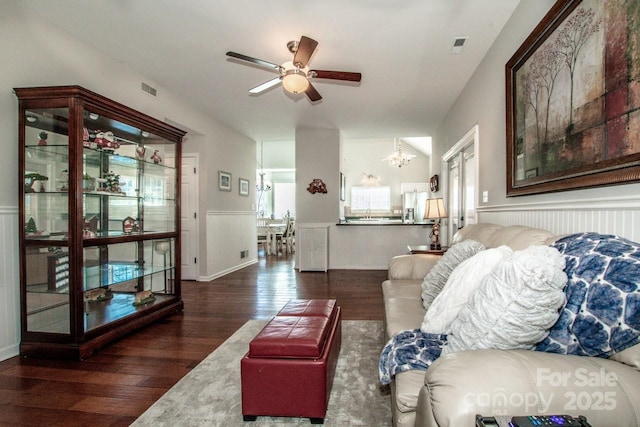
602 314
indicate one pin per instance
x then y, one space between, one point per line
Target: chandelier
262 186
398 158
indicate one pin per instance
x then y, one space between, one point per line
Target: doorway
462 175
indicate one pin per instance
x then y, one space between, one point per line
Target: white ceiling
402 48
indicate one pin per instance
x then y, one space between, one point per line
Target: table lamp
435 210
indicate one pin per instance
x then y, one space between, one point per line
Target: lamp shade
434 209
295 81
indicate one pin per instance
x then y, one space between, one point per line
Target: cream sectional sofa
457 386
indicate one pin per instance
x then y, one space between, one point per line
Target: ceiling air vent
149 89
458 43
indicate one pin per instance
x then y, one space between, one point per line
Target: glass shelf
114 273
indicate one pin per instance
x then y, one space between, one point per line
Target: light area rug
210 394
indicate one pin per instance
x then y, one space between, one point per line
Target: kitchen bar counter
371 245
379 222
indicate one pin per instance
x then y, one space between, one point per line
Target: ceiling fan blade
266 85
336 75
304 52
254 60
312 93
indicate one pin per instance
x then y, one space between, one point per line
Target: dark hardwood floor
119 382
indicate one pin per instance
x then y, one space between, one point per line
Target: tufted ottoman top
298 331
309 307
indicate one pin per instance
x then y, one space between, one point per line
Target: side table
426 249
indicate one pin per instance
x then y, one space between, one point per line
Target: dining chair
286 239
262 227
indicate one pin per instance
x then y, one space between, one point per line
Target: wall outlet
485 197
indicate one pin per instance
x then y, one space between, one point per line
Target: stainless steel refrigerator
413 206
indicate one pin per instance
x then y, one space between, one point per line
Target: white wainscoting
228 234
9 283
620 216
371 247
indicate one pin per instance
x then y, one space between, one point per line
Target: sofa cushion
629 356
407 387
461 283
519 237
401 289
479 232
515 305
411 267
402 305
435 280
602 314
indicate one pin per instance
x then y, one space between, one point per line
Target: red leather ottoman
289 368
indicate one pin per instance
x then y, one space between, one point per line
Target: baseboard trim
9 351
227 271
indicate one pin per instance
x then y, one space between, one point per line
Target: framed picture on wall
572 119
343 189
224 181
243 186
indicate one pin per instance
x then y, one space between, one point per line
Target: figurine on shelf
98 295
30 229
106 141
128 225
144 297
111 183
43 138
88 234
140 150
85 138
156 157
31 179
88 182
91 224
63 179
92 138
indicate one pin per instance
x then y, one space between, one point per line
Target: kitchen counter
378 222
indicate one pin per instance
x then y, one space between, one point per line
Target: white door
189 217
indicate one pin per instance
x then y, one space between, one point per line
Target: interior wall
482 102
38 54
364 156
317 157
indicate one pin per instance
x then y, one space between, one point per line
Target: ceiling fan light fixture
295 81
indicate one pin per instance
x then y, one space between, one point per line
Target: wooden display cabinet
99 220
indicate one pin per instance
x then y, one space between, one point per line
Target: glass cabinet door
46 219
129 187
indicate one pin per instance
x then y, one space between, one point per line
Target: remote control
549 420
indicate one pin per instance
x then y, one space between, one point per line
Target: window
373 199
284 199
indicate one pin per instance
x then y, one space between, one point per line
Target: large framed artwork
573 99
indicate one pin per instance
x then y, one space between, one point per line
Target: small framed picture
243 187
224 181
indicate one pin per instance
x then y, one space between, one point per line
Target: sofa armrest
411 267
519 382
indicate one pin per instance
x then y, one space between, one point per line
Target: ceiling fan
295 75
